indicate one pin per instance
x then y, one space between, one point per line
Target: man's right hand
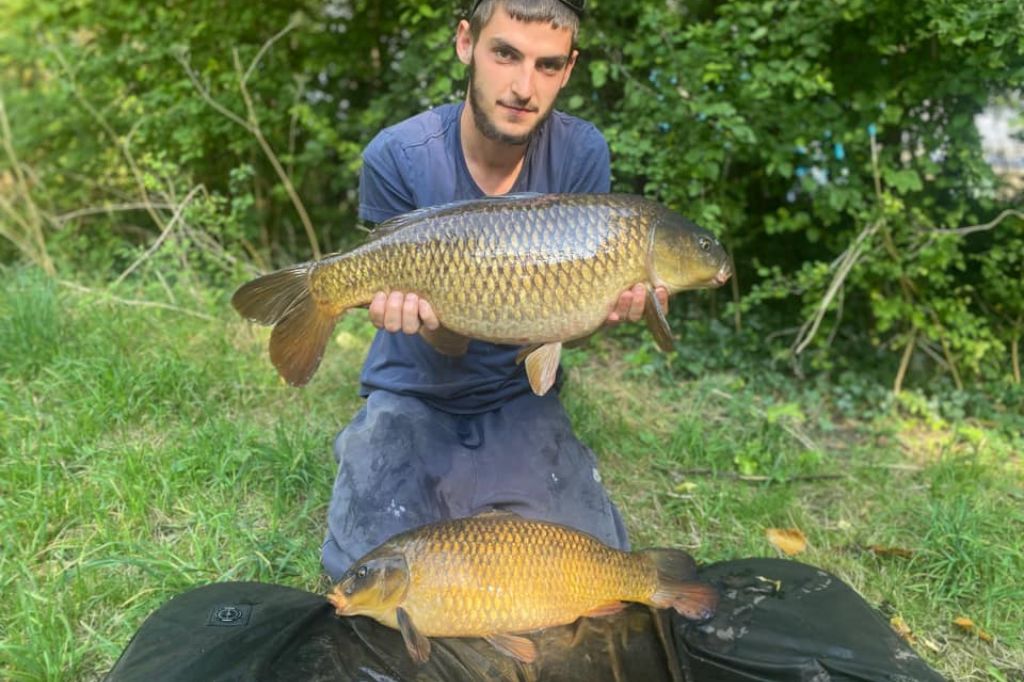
396 312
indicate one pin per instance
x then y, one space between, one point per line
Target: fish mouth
337 599
723 275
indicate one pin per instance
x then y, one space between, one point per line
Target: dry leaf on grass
789 541
902 629
880 550
967 625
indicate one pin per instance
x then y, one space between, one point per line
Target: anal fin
519 648
542 367
415 641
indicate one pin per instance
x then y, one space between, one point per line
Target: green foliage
791 129
759 120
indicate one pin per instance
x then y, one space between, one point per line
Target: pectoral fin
415 642
542 367
445 341
654 315
515 646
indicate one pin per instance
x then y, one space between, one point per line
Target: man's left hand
630 305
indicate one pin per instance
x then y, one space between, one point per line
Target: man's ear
464 42
568 67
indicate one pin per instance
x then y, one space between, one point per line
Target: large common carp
497 574
531 269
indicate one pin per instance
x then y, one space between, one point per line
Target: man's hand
402 312
630 305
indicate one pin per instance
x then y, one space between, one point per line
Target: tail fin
678 587
302 328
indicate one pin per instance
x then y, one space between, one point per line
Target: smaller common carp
496 575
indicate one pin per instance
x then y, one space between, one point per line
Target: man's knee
334 559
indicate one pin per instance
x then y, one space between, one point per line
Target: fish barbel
497 575
537 270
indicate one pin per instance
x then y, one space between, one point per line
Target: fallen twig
732 475
135 302
792 430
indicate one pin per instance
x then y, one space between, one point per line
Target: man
443 437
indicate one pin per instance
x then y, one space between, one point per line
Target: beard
487 127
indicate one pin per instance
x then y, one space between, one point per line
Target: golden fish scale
534 271
485 576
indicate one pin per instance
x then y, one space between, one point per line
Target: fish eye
704 243
361 573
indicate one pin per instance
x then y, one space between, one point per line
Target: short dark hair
554 12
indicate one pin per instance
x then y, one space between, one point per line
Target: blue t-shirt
419 163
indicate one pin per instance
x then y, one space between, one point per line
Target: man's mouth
518 109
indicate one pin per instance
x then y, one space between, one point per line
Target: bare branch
971 229
292 24
119 142
845 263
204 92
163 235
908 351
112 208
252 126
33 242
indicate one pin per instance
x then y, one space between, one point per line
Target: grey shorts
402 463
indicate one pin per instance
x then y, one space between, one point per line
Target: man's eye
503 53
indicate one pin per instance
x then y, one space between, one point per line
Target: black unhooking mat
777 620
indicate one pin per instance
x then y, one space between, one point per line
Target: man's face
516 70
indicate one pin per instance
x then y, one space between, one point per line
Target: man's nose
522 86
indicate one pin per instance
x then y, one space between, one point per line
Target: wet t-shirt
419 163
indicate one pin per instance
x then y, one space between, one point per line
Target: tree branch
112 208
120 143
163 235
252 126
971 229
33 242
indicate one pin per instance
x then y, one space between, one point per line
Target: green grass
145 451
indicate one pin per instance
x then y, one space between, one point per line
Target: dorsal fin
398 222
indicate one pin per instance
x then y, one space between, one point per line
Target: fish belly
506 276
519 584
